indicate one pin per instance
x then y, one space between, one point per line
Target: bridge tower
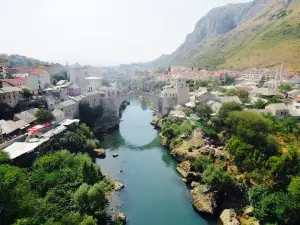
182 89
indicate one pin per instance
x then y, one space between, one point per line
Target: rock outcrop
229 217
184 168
121 217
118 186
100 153
204 200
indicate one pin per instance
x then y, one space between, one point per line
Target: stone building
70 108
10 95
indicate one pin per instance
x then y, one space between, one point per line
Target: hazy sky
98 31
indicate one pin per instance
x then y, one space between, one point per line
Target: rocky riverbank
204 198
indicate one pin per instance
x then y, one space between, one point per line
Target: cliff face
233 26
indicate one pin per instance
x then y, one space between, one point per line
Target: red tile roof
38 72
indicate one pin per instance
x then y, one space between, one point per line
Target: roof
61 82
9 89
66 103
264 91
15 81
19 148
78 98
39 72
91 93
203 92
277 106
9 126
262 111
57 112
230 99
54 131
295 80
67 122
28 115
293 91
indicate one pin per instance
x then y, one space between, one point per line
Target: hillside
262 33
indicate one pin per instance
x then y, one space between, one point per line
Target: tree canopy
44 115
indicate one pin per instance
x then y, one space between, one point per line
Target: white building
94 83
10 95
279 110
93 98
56 95
70 108
293 94
58 115
38 79
294 107
77 75
203 96
108 92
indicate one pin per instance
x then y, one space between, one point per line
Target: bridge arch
156 100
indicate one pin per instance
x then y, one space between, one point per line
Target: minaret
281 73
276 81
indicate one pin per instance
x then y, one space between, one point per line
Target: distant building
77 76
38 79
16 82
279 110
293 94
70 108
10 95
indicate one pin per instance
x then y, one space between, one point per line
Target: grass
260 42
207 129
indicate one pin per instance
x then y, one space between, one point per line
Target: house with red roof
38 79
16 82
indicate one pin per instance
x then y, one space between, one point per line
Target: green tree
217 178
204 111
243 95
71 141
4 158
284 88
231 92
26 93
259 104
294 188
228 107
44 115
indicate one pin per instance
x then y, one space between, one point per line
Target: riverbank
191 149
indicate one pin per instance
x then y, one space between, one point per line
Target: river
154 193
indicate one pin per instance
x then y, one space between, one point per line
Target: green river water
154 193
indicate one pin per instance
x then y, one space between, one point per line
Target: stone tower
182 89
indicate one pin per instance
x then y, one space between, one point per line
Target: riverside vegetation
58 187
259 166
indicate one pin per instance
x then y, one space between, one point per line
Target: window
281 113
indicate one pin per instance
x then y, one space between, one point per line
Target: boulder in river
100 152
229 217
204 200
118 186
121 217
115 155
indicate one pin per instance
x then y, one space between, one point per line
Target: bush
218 179
44 115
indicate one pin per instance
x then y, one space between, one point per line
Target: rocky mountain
261 33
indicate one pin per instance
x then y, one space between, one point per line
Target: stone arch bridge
112 104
